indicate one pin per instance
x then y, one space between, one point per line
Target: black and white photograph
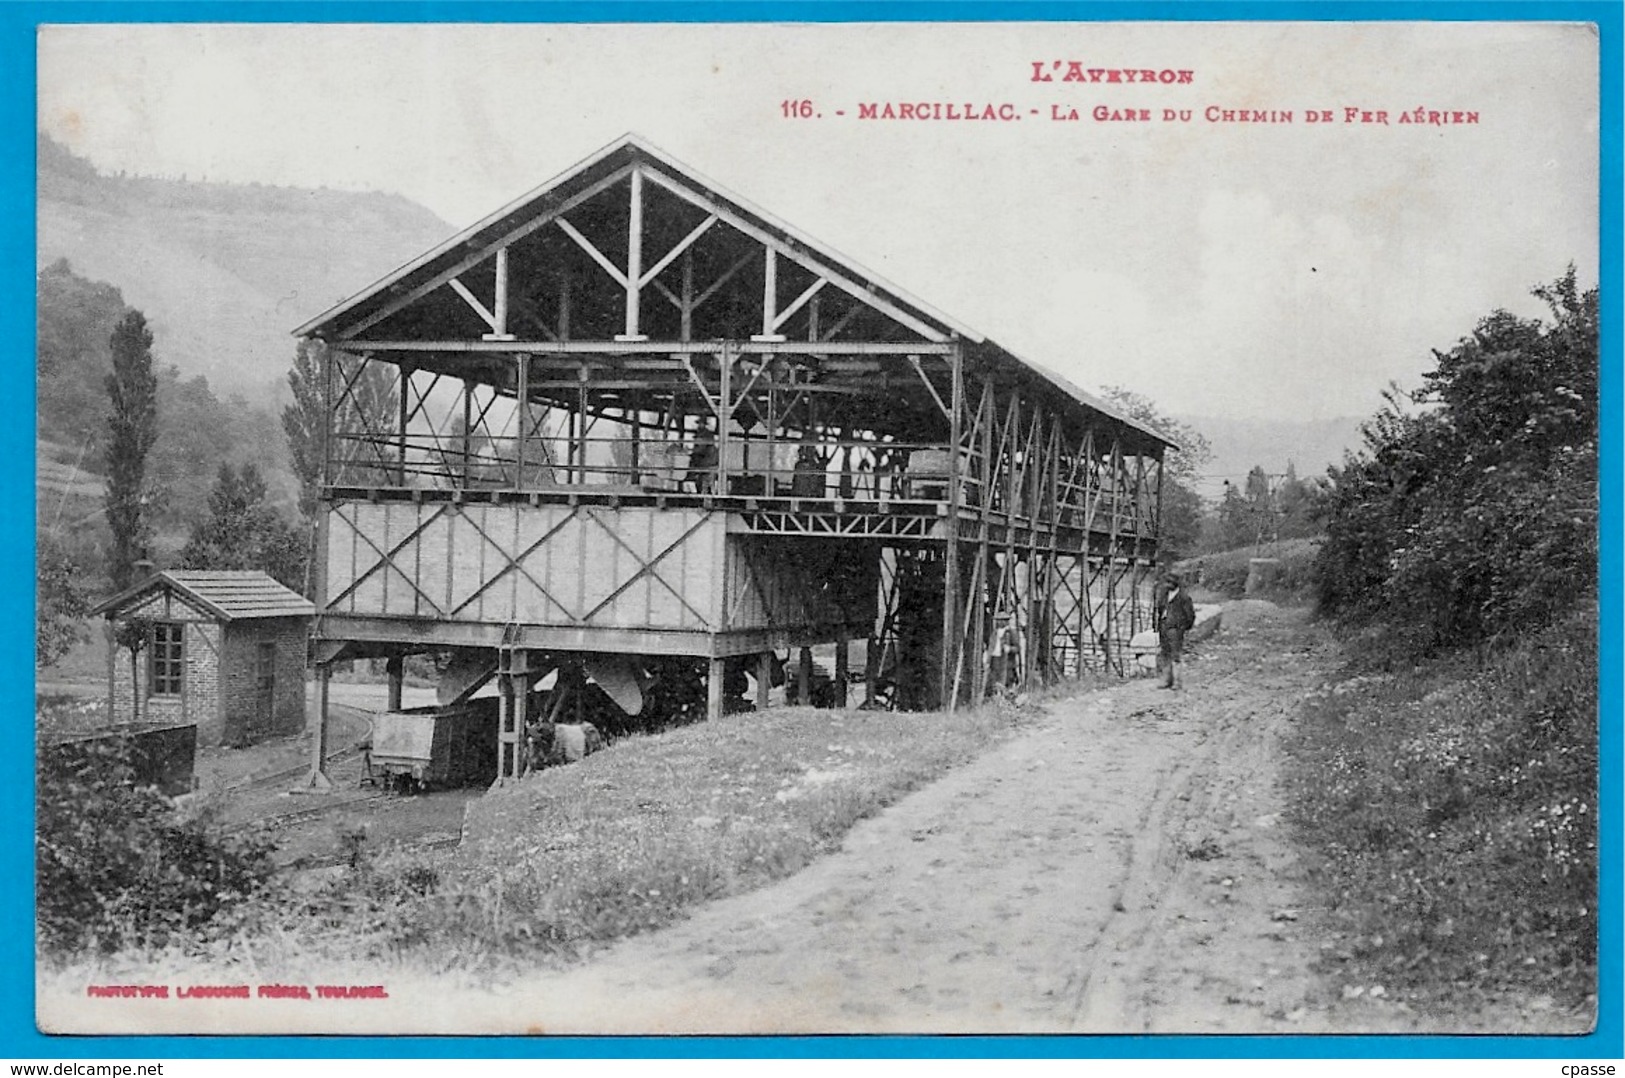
817 528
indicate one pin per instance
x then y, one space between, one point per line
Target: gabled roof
628 149
227 594
580 176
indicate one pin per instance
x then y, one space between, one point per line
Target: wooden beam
914 361
634 259
818 269
565 347
727 275
594 253
952 644
480 254
499 313
564 306
842 665
681 246
716 673
800 302
770 296
469 298
318 779
685 305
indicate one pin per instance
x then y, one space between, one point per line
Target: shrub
116 867
1476 516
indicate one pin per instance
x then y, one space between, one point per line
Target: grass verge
1450 817
630 839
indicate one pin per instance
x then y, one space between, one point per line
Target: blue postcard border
18 1036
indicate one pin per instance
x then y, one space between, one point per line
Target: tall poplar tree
303 421
132 429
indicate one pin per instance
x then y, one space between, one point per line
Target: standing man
1175 616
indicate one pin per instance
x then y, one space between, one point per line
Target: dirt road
1121 868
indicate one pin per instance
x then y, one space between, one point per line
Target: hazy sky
1224 268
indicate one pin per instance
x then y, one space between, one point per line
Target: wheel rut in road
1119 867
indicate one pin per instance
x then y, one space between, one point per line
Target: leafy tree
74 322
1260 501
60 603
303 421
132 430
133 635
1472 511
1181 505
367 408
1234 524
1297 506
242 531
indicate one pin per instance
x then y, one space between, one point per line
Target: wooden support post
952 640
402 420
318 779
987 415
637 447
581 424
842 665
715 675
499 303
507 751
634 259
1156 519
395 671
522 394
564 306
468 425
330 422
871 667
725 411
770 297
764 679
770 291
1116 548
1086 616
686 331
1039 459
804 678
772 429
519 690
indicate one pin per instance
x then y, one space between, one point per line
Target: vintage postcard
815 528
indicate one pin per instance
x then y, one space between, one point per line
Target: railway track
334 860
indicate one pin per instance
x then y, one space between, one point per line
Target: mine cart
437 747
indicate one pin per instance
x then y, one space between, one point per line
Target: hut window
166 658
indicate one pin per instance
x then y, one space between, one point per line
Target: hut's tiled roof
228 594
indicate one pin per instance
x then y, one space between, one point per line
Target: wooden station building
632 419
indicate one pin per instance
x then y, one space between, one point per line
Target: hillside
223 271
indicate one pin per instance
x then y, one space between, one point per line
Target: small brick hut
226 650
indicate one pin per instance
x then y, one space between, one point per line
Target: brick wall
245 721
199 699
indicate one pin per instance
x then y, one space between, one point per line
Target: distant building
224 650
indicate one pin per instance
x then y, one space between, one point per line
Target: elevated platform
857 517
